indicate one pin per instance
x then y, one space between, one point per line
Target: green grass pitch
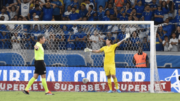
87 96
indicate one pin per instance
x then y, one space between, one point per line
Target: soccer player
40 68
109 61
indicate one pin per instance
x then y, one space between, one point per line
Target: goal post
61 59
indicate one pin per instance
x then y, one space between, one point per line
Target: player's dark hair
110 39
40 37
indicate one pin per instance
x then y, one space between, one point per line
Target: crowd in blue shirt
159 11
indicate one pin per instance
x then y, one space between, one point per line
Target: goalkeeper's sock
45 85
30 83
109 84
116 83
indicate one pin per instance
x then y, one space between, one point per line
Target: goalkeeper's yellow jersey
109 52
39 54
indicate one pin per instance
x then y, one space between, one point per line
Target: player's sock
30 83
116 83
45 84
109 84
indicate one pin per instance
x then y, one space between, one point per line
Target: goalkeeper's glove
127 36
87 50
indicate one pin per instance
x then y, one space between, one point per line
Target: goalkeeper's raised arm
108 43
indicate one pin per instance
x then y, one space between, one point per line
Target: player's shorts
40 67
110 69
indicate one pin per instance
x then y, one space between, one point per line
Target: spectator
95 41
177 7
4 40
57 10
13 10
147 14
154 6
168 27
159 46
65 31
177 18
75 3
178 32
128 9
36 11
102 3
16 41
88 3
51 45
173 47
120 13
71 41
47 11
80 36
36 31
109 35
133 16
159 15
75 29
166 43
101 36
146 44
90 13
165 10
74 16
24 7
107 16
26 44
83 11
119 4
110 9
101 13
123 17
3 14
61 41
68 12
135 41
139 8
67 3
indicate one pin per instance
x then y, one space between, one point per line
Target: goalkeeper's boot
118 91
110 91
26 92
49 93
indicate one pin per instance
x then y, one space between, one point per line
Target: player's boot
49 93
118 91
110 91
26 92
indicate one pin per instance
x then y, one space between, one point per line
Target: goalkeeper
40 68
109 61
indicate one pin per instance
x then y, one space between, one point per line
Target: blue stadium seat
64 60
12 59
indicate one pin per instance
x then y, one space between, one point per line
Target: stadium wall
76 74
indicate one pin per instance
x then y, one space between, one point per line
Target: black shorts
40 67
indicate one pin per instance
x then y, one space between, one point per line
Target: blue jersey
177 4
159 46
147 16
34 11
101 15
134 40
146 46
160 20
67 3
83 13
122 18
101 3
74 16
168 29
119 15
56 9
110 10
80 44
91 17
105 18
165 11
4 44
75 4
47 13
129 11
139 9
70 45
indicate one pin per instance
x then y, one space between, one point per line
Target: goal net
66 62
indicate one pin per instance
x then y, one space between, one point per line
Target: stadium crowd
77 37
